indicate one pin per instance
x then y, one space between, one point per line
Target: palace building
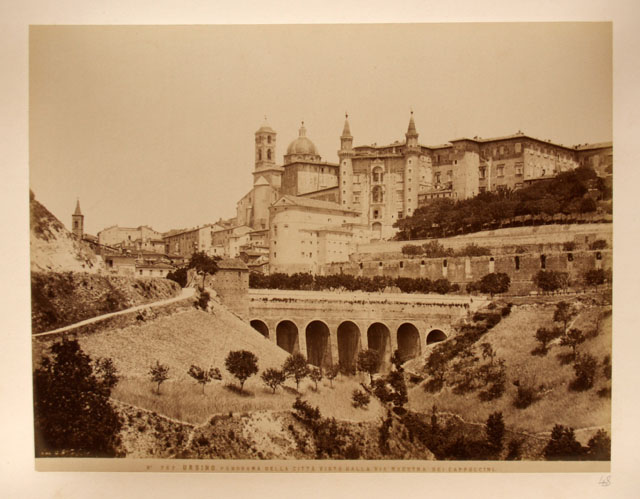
315 212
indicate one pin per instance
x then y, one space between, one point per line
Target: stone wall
547 237
232 286
521 268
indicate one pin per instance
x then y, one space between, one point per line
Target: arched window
377 194
269 139
259 154
268 153
378 174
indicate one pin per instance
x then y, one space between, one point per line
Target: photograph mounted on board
362 244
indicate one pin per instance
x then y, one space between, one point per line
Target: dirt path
185 294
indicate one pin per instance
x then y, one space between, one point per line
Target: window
518 147
449 175
268 153
519 168
517 262
401 264
570 257
543 262
360 265
399 214
482 172
444 263
376 214
482 189
437 177
598 256
378 175
377 194
500 170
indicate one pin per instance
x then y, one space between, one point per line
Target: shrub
305 412
332 372
606 367
513 449
495 429
599 447
598 244
203 300
544 336
242 364
412 250
203 376
526 394
316 375
585 367
360 399
179 276
273 378
573 338
563 446
72 412
494 283
368 362
564 312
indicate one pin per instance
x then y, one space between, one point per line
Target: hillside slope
550 375
53 247
60 299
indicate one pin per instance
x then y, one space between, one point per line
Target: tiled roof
314 203
232 264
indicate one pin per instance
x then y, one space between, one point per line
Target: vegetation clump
72 412
242 364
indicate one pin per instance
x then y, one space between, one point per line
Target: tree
315 375
594 277
204 263
494 283
368 362
573 338
564 312
599 447
436 365
179 276
203 376
296 367
563 446
332 372
399 395
549 280
159 374
495 431
360 398
488 352
584 367
72 412
242 364
106 373
273 378
397 360
544 336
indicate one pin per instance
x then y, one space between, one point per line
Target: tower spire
346 131
77 212
411 130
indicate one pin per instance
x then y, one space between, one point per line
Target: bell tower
77 221
345 183
265 160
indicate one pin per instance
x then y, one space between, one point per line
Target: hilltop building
310 212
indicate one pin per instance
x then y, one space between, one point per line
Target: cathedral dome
302 145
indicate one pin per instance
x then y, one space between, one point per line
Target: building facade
331 207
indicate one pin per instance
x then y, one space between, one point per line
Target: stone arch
408 341
435 335
379 339
287 336
348 344
318 344
261 327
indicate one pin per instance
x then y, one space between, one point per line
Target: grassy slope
513 339
196 337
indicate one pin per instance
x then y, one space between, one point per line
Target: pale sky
155 125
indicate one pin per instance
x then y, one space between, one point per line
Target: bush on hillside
242 364
72 412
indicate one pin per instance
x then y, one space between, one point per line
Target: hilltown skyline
152 128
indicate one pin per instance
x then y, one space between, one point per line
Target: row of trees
567 193
310 282
433 249
552 280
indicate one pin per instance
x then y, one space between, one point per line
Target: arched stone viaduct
332 327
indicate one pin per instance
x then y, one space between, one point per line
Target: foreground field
513 340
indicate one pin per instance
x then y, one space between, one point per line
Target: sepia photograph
329 247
